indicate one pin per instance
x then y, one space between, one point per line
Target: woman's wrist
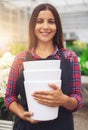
70 103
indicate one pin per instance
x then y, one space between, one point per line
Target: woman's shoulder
70 54
21 55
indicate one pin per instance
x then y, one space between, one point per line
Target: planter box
6 125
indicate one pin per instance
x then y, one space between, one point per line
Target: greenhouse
14 23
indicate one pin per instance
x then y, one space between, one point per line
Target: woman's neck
44 50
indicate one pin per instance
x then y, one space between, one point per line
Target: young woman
45 42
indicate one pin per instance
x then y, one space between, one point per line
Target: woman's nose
45 25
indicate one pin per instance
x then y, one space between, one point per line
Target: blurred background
14 20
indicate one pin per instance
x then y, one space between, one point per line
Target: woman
45 42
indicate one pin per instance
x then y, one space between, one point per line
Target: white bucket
41 112
42 75
41 64
37 75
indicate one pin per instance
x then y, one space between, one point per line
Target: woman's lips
45 33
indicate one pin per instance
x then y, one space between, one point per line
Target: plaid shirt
17 66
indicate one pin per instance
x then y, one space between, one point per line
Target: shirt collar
34 55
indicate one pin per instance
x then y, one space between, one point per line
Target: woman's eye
51 22
39 21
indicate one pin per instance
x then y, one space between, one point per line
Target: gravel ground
81 119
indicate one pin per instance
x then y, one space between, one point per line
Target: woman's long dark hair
58 38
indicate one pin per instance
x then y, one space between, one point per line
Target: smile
45 33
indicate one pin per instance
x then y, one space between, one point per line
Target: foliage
5 114
84 62
6 60
76 46
3 80
2 103
5 65
81 49
16 48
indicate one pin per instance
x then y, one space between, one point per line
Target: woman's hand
16 108
52 98
27 117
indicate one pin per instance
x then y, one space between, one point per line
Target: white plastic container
42 75
41 112
41 64
37 75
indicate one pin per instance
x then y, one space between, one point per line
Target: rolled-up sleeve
76 88
11 94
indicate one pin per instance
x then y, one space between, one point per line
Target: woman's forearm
16 108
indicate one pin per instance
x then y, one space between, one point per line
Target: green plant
16 48
2 103
84 62
4 113
77 46
81 49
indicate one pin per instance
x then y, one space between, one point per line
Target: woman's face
45 28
